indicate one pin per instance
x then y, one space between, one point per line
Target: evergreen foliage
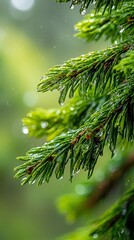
100 114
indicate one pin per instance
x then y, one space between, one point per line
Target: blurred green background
34 36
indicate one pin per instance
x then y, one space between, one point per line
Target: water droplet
100 133
91 20
122 30
61 103
25 130
61 178
44 124
122 230
72 6
95 235
58 112
124 211
71 108
83 12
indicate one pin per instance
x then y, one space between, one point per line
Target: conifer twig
93 70
115 26
98 4
50 123
83 146
117 221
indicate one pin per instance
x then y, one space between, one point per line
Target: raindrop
122 230
83 12
91 20
61 103
63 93
61 100
61 178
100 133
122 30
25 130
44 124
124 211
72 7
71 108
58 112
95 235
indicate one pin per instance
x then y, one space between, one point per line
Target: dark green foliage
114 26
83 146
103 112
90 194
100 114
53 122
117 222
84 4
94 70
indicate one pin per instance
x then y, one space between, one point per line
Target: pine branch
83 146
98 4
51 123
94 70
117 222
75 206
127 64
116 26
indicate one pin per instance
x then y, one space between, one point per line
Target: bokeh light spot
22 5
